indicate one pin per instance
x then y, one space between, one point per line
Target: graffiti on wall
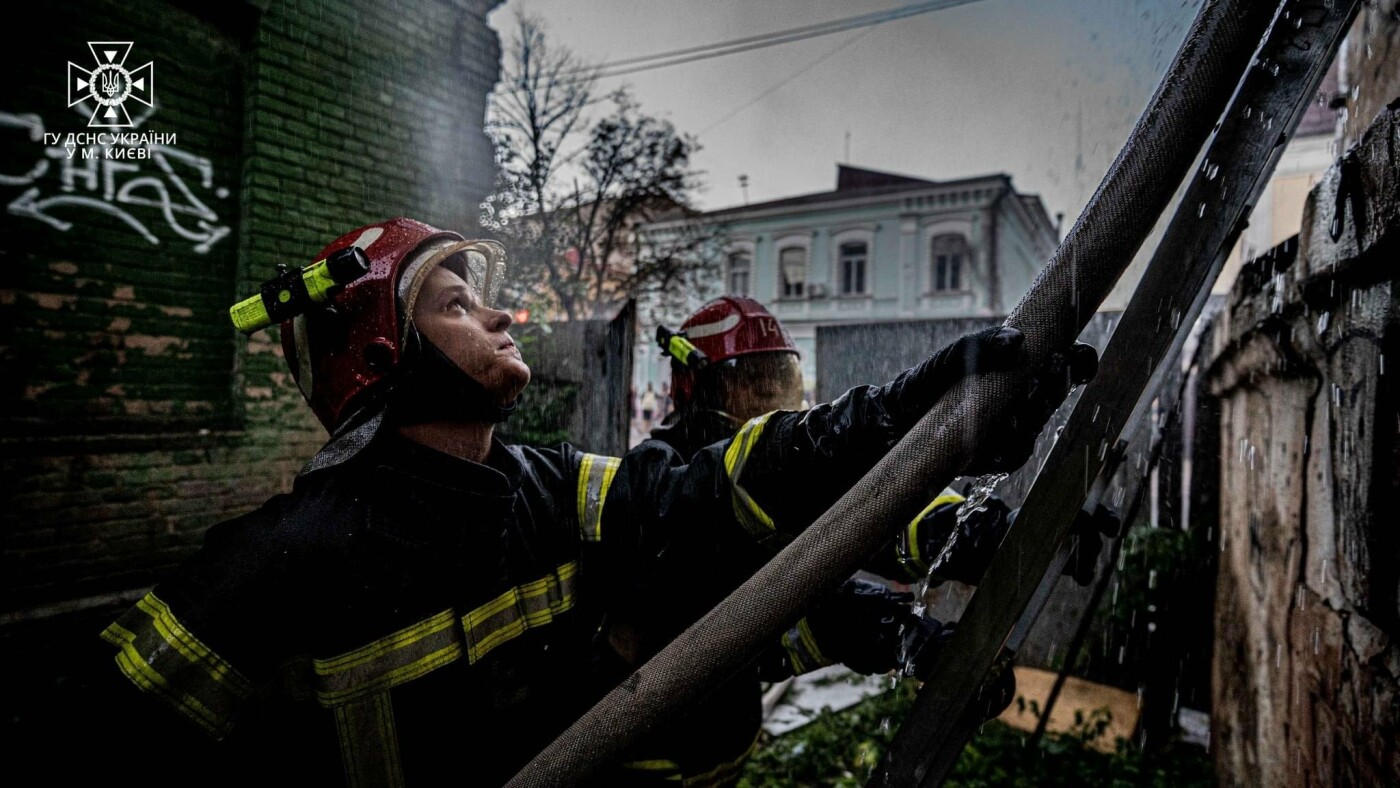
115 174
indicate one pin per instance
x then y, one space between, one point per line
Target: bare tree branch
574 192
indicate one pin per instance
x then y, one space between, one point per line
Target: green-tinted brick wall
134 416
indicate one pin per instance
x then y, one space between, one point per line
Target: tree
574 194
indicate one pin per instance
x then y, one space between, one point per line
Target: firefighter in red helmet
427 603
733 361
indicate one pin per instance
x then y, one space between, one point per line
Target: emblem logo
110 84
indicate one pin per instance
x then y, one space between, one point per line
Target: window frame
856 235
786 243
962 254
747 252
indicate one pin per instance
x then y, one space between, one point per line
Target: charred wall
1306 681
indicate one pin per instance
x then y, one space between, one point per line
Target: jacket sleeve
784 469
673 536
205 638
908 556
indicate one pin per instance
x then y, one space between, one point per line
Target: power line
770 90
676 57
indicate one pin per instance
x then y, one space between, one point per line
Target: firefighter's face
760 383
472 335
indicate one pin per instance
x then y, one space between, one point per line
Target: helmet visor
480 263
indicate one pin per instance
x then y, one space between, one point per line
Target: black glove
1086 540
861 625
927 637
995 349
962 551
1012 440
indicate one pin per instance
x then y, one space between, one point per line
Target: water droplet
1200 210
1322 321
1212 171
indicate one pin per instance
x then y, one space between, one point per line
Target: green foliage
540 418
1152 568
838 749
843 748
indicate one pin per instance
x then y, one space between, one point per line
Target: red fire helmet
339 354
726 328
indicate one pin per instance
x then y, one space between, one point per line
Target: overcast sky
1021 86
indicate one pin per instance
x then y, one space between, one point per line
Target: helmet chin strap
427 386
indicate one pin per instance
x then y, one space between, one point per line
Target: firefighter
735 362
428 603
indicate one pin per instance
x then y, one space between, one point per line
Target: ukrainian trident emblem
110 84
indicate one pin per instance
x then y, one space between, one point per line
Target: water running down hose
1065 295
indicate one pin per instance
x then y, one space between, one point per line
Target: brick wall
134 416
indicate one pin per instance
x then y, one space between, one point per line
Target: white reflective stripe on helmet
711 329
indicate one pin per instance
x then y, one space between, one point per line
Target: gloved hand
1012 440
861 625
927 637
1086 540
962 551
997 349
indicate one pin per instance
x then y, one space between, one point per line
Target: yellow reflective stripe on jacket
369 742
159 655
724 773
908 552
658 769
524 607
801 648
389 661
749 513
595 476
721 774
419 649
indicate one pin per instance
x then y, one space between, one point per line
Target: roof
854 182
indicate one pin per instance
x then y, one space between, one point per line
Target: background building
879 247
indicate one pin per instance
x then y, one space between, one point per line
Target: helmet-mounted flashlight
295 290
677 346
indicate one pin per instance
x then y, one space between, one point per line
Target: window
949 252
851 267
740 263
792 268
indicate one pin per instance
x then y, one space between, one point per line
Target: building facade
880 247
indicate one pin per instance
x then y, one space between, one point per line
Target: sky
1045 90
